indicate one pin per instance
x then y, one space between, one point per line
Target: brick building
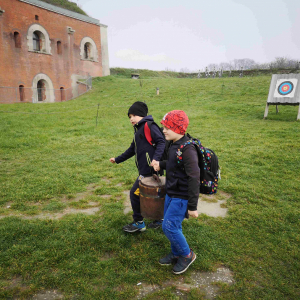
46 51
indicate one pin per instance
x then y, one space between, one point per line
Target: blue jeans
174 213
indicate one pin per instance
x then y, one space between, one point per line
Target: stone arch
43 90
45 44
88 44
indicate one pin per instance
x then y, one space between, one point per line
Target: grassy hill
54 159
123 72
67 5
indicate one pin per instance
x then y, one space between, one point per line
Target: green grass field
50 153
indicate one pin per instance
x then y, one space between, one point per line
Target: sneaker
155 224
168 260
135 226
183 263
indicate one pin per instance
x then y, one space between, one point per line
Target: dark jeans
174 213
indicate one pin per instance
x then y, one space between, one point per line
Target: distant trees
250 64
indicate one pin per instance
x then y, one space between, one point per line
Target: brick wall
18 66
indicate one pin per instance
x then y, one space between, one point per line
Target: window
17 39
87 50
36 41
59 48
36 17
62 94
22 93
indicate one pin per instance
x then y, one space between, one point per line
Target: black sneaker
135 226
155 224
183 263
168 260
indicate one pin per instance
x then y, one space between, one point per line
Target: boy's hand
112 160
193 213
155 165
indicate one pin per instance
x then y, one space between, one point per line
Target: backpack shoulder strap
199 148
147 132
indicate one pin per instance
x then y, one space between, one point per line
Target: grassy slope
67 5
51 150
126 73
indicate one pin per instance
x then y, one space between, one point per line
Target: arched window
36 41
59 48
87 50
17 38
21 92
62 94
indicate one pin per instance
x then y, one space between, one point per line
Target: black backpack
208 164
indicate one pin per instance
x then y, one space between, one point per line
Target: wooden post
97 115
266 111
157 91
277 110
298 117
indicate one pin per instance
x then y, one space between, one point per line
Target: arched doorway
41 90
62 94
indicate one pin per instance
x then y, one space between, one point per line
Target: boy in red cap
182 187
145 154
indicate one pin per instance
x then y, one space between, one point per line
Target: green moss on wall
67 5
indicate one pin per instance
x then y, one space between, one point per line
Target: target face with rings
285 88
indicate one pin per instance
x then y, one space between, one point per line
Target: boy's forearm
126 155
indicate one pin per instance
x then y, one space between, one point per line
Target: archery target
285 88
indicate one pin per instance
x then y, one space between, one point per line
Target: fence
37 95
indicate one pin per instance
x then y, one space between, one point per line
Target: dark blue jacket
141 148
182 180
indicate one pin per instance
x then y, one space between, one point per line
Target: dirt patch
106 180
206 282
56 216
93 209
106 256
104 196
213 205
127 203
48 295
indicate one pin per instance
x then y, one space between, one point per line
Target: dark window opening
87 50
17 38
59 48
36 17
36 42
22 92
41 91
62 94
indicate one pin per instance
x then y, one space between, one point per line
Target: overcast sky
161 34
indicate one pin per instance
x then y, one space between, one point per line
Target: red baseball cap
176 120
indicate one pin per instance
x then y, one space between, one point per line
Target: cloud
135 55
